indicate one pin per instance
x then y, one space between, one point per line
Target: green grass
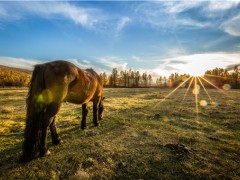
139 138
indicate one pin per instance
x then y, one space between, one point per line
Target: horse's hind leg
55 137
84 115
50 111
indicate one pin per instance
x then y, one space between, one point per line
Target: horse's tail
34 116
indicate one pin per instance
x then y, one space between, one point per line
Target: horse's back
64 81
60 72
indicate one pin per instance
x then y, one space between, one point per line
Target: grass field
139 138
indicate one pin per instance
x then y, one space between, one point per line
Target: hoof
57 141
45 153
83 127
96 124
24 160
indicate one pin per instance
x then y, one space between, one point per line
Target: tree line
132 78
14 77
220 76
126 78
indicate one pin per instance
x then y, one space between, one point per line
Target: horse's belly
77 98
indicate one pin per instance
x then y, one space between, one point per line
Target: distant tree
236 76
137 78
144 79
149 80
114 76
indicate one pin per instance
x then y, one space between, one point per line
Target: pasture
140 137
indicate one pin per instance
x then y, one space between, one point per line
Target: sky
157 37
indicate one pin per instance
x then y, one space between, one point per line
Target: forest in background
14 77
131 78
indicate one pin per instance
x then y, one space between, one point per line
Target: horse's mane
91 71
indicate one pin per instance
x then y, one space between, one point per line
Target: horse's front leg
43 150
84 116
55 137
50 111
95 112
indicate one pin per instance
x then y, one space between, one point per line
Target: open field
139 138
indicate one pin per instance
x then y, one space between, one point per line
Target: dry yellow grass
139 138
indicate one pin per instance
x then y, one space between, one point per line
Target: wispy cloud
81 63
232 26
170 14
113 62
19 62
93 18
29 64
122 23
86 17
174 7
2 12
198 63
219 6
166 14
232 66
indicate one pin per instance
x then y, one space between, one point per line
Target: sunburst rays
196 82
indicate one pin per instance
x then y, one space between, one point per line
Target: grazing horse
53 83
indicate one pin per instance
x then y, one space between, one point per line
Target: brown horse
53 83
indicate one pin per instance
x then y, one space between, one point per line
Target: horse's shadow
9 158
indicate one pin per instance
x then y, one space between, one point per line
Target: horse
53 83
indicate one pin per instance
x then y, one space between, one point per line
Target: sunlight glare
196 89
190 84
203 103
199 80
226 87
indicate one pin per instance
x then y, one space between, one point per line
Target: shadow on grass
9 157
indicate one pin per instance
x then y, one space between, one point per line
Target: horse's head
101 108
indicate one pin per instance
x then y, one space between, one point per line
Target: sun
194 69
197 72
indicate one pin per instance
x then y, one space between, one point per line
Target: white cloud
122 23
166 14
197 64
136 58
214 6
170 14
81 63
86 17
232 26
178 7
30 63
2 12
18 62
113 62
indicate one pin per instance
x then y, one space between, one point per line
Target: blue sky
159 37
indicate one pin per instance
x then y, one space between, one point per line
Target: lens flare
199 80
226 87
203 103
165 119
196 89
190 84
197 83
